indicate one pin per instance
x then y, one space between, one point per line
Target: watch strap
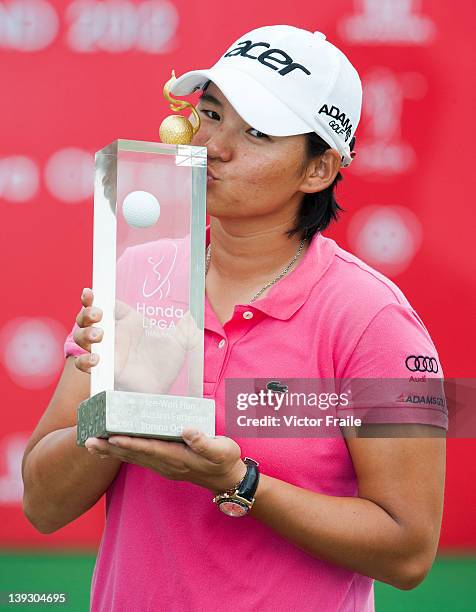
249 484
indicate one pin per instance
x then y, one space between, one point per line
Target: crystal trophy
149 281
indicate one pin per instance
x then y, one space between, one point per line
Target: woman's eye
257 134
210 114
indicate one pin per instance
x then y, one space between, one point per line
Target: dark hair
317 210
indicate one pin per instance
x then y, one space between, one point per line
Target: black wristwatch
239 500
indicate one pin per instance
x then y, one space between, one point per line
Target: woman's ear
321 172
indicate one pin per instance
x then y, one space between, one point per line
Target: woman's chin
218 207
215 211
215 207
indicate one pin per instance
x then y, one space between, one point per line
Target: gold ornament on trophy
177 129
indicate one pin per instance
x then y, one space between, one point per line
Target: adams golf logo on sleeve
426 400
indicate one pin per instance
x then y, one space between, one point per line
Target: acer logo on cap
272 58
292 105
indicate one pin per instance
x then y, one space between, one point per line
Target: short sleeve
394 372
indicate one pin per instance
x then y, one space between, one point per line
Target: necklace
283 272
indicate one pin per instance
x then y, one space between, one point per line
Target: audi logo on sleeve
420 363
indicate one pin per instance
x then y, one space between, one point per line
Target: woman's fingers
87 297
122 310
187 333
88 315
86 334
86 362
86 318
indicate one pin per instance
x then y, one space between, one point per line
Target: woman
329 515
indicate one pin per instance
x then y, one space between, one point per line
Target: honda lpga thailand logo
421 364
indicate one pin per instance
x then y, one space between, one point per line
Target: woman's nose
217 141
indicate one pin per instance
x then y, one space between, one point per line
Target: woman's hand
144 363
87 334
213 463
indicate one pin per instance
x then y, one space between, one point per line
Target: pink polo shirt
165 545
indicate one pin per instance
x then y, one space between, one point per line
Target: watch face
233 508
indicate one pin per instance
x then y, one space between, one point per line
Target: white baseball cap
284 81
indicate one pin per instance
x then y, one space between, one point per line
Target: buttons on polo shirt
222 343
247 314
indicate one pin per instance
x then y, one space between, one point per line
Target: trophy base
144 415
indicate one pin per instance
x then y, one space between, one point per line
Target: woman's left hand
213 463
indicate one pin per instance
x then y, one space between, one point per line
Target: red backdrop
77 75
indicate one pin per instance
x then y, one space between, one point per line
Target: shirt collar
291 292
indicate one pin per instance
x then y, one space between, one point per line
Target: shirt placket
244 319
